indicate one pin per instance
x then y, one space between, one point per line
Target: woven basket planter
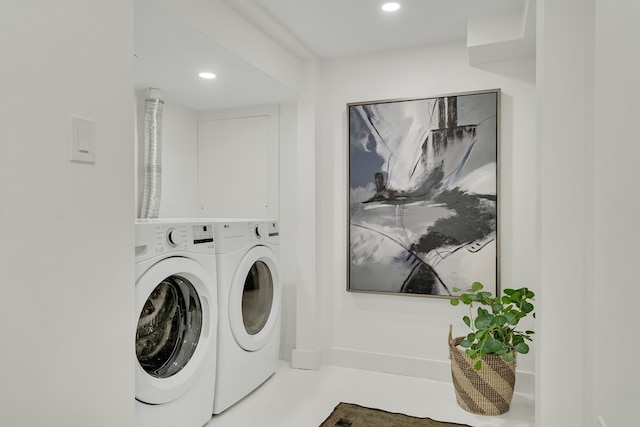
485 392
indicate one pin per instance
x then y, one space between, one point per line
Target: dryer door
173 332
254 299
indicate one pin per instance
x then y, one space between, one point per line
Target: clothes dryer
249 297
176 333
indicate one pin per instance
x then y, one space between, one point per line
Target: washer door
173 331
254 299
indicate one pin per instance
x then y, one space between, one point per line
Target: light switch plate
83 140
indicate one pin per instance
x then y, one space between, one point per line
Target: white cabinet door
236 167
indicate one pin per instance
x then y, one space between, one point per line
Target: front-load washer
249 300
177 312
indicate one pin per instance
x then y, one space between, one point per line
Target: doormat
351 415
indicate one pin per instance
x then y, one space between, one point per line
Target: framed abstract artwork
423 194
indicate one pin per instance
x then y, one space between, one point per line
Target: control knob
261 231
173 237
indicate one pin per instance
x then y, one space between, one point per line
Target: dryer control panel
238 234
273 232
259 230
265 230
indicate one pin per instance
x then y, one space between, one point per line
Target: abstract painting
423 194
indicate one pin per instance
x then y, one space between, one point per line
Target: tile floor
301 398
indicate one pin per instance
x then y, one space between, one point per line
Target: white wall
304 231
401 333
563 106
66 247
179 165
288 155
588 91
616 216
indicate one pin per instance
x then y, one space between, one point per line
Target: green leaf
480 334
475 297
454 301
476 286
500 320
527 307
456 289
483 321
471 353
509 291
467 321
478 365
465 343
529 332
483 297
503 350
496 307
466 299
471 337
508 357
522 348
530 294
492 345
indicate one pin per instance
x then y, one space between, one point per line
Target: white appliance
249 300
176 333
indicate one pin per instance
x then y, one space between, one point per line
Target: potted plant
483 363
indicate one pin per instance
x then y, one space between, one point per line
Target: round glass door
254 299
257 297
169 327
173 335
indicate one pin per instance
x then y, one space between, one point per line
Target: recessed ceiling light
206 75
391 7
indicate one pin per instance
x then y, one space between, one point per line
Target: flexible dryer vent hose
152 153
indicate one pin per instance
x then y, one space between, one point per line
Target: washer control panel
154 239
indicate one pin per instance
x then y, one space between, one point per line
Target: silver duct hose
152 153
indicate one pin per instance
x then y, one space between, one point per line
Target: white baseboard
306 359
388 363
414 367
286 349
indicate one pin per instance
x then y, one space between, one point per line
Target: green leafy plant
493 325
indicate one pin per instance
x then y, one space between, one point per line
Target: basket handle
450 335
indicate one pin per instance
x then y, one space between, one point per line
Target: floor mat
352 415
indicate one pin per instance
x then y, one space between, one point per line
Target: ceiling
338 28
169 52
